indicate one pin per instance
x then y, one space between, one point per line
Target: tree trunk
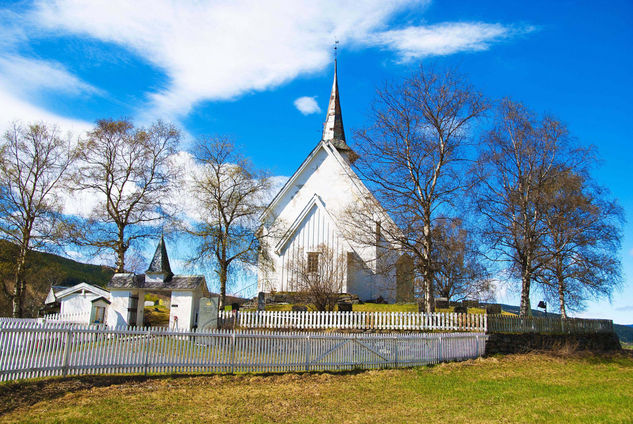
561 300
120 251
561 297
19 283
427 274
525 309
223 278
18 296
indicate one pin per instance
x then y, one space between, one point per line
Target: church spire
333 127
160 261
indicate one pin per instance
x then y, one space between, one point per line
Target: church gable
313 227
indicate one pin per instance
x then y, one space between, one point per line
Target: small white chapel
310 208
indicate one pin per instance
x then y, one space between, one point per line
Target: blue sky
238 68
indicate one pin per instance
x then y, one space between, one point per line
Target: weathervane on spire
335 49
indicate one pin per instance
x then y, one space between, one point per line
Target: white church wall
316 230
325 176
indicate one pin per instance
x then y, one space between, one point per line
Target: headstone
300 308
493 309
470 303
261 301
442 303
208 313
460 309
345 307
235 306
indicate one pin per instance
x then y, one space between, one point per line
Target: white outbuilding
82 302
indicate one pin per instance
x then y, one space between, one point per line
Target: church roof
160 261
333 130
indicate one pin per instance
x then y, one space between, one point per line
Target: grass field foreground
521 388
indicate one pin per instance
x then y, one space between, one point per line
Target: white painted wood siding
315 230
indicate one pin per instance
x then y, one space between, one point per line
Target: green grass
531 388
389 307
157 315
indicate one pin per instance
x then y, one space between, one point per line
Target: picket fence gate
32 350
320 320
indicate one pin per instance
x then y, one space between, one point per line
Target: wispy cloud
416 42
307 105
23 75
221 50
15 108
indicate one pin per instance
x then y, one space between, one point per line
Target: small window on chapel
313 261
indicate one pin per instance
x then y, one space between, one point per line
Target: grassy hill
44 270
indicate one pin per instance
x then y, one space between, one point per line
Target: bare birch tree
459 271
519 160
320 275
129 170
231 195
583 236
34 160
410 158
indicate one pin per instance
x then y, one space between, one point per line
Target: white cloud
221 50
417 42
307 105
15 108
32 75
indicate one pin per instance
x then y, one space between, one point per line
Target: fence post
439 340
395 338
233 352
476 345
146 347
307 352
66 359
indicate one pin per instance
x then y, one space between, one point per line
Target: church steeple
160 262
333 128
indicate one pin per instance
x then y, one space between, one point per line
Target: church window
313 261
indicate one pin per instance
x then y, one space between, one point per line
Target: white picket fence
31 350
314 320
77 318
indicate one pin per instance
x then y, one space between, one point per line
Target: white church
311 208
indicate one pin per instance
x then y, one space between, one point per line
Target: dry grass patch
519 388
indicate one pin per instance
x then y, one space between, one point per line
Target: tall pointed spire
333 128
160 261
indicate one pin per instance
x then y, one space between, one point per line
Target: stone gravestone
493 309
345 307
261 301
442 303
461 309
208 313
300 308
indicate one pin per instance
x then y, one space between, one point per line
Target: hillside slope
44 270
